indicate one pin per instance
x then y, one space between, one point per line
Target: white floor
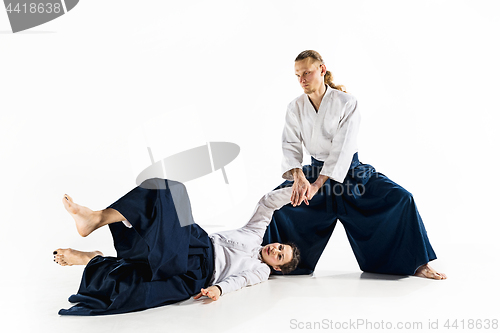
337 297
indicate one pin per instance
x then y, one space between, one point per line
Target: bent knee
154 184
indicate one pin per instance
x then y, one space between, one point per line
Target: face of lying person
276 254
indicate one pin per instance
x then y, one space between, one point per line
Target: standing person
159 261
380 217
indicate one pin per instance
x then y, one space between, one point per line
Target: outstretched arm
264 211
244 279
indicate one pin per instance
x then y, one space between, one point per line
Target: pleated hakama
381 220
158 262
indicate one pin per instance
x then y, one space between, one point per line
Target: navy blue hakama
158 262
380 218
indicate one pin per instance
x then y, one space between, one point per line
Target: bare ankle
98 218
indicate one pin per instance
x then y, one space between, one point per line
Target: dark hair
328 76
292 264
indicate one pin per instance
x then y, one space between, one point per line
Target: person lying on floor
161 260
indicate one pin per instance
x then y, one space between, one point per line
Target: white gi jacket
237 252
329 135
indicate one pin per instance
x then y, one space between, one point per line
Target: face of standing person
310 74
277 254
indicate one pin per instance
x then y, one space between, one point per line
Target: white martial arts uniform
237 252
380 217
329 135
238 262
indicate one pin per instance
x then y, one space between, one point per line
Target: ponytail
329 81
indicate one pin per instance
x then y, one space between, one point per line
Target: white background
83 96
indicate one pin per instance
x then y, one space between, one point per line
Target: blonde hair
328 75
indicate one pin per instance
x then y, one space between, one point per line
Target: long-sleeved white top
329 135
237 252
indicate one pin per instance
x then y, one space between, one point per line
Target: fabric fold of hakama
158 262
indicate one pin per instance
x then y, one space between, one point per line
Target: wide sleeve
264 211
344 144
244 279
291 142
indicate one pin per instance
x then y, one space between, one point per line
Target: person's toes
65 201
62 262
69 204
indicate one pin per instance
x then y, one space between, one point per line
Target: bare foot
86 219
427 271
70 257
